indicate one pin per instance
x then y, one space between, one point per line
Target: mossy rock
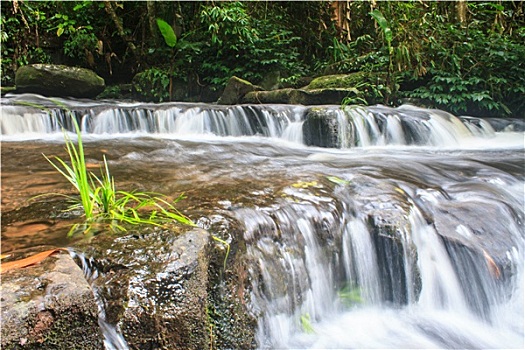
280 96
299 96
235 90
352 80
369 86
58 81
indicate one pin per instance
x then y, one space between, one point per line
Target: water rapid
331 272
364 227
29 117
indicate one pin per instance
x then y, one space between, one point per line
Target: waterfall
329 273
165 119
353 126
363 227
113 340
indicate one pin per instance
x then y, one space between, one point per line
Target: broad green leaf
167 32
383 23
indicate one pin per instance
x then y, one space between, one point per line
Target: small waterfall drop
329 275
405 125
113 340
351 126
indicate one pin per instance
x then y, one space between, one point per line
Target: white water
113 339
375 126
322 277
442 313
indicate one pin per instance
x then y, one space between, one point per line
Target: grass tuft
101 203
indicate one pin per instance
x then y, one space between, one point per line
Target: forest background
467 57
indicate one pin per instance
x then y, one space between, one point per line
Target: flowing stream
406 233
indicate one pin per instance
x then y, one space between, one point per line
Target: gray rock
320 128
155 284
49 306
58 80
235 90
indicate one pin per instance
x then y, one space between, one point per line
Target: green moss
346 80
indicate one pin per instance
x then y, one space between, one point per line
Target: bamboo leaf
383 23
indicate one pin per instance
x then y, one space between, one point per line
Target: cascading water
410 235
113 340
354 126
363 282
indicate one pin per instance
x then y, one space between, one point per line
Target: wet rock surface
321 128
154 283
49 306
158 289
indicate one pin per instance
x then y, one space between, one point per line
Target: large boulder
235 90
162 290
368 86
58 81
155 286
321 128
49 306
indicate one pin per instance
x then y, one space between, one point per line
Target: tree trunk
151 21
342 18
461 12
120 29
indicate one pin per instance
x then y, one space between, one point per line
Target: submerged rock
58 81
49 306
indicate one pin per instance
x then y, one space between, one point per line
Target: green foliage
243 46
350 296
167 33
475 71
77 173
306 324
153 84
472 67
103 204
74 24
17 44
353 100
79 41
384 24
